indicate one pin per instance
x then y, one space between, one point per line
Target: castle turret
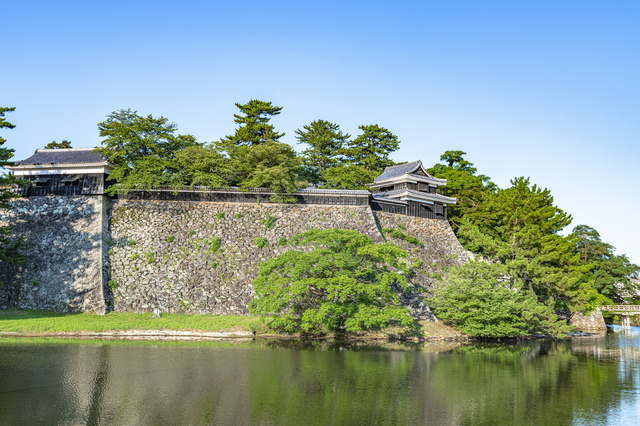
409 189
73 171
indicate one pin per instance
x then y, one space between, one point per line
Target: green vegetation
28 321
150 257
192 233
11 247
142 149
282 241
261 242
112 285
479 300
238 215
132 243
613 275
325 143
395 233
344 284
518 230
65 144
268 222
169 238
220 215
254 124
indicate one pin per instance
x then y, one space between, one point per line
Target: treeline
147 151
525 272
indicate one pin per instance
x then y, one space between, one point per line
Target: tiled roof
63 156
393 171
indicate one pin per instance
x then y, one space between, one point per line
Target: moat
585 380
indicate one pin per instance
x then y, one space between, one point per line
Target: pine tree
371 149
65 144
254 124
519 227
10 247
326 141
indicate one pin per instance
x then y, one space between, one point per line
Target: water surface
583 381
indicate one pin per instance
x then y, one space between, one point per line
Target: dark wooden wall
84 184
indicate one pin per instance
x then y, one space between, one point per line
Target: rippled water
583 381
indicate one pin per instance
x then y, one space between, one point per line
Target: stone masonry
92 254
66 258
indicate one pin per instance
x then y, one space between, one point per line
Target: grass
30 321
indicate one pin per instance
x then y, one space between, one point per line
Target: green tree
142 149
462 183
371 149
519 227
344 284
65 144
349 176
254 124
11 247
614 276
325 142
477 300
203 165
272 165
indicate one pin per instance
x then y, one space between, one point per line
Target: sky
547 90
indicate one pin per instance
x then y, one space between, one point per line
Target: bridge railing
620 308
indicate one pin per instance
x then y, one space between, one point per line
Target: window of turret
43 182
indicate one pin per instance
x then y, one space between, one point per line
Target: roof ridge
63 149
404 164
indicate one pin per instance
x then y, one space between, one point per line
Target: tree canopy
254 124
142 149
614 276
371 149
478 300
462 183
345 283
65 144
11 247
325 142
519 227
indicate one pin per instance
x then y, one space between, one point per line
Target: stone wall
66 255
93 254
201 257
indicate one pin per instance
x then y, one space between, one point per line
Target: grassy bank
29 321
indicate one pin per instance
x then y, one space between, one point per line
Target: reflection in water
583 381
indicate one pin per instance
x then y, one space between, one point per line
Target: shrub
394 233
346 283
478 300
261 242
214 244
268 222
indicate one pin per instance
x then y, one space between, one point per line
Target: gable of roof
63 156
413 168
394 171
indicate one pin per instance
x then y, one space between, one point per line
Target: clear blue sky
544 89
